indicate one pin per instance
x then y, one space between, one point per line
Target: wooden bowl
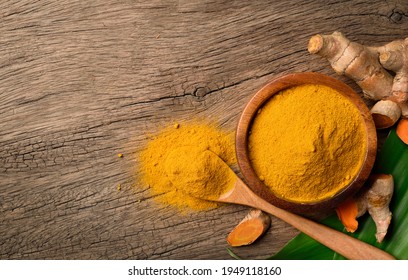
244 126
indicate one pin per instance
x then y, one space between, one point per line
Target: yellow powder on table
307 143
173 159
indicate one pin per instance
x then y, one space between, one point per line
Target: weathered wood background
81 81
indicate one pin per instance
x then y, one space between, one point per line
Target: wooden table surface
81 81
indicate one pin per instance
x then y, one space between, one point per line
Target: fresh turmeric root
375 200
356 61
368 67
348 213
394 57
402 130
249 229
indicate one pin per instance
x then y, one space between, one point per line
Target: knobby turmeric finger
375 200
249 229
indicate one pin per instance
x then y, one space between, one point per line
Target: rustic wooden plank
82 81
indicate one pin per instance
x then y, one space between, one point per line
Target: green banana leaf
392 159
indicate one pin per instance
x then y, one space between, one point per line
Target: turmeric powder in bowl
307 143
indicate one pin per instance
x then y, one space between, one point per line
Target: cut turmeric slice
347 213
249 229
402 130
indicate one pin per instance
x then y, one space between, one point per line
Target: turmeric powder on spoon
175 154
307 143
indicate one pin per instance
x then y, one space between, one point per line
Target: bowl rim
262 96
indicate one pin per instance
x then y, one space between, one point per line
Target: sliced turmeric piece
347 213
249 229
402 130
385 113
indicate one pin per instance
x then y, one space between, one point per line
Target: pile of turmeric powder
200 174
307 143
173 164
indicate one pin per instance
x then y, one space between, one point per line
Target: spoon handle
345 245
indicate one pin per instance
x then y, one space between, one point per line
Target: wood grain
81 81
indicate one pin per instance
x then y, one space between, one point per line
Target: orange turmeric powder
307 143
181 145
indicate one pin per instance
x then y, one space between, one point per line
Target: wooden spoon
239 193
